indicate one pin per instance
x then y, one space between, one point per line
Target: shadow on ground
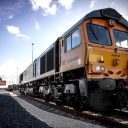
12 115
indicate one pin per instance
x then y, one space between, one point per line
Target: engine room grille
50 60
42 65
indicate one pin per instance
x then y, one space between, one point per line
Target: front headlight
100 68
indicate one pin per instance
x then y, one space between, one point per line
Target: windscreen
98 34
121 38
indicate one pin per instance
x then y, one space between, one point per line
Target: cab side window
76 38
68 43
73 40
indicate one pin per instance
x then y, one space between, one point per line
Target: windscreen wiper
91 28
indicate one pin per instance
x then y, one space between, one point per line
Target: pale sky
23 22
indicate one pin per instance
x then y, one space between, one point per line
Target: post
32 51
17 75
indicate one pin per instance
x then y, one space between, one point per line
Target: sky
23 22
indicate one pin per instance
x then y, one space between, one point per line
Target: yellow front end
105 63
106 58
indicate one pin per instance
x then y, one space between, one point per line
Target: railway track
117 118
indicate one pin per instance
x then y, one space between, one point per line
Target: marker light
112 22
102 68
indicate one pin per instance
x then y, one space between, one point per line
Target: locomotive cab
107 43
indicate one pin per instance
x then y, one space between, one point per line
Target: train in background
86 66
10 87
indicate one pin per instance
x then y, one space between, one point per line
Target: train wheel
25 93
122 98
46 98
100 100
58 103
77 105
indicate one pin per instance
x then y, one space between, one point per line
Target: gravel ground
12 115
58 112
51 119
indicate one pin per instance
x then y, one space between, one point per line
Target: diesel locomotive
85 67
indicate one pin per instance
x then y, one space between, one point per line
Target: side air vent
111 13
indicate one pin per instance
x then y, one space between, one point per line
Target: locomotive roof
107 13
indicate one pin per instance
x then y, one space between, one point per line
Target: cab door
72 50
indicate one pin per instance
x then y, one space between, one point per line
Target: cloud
92 3
46 5
16 31
112 4
51 10
11 17
66 3
37 26
126 17
10 70
50 6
